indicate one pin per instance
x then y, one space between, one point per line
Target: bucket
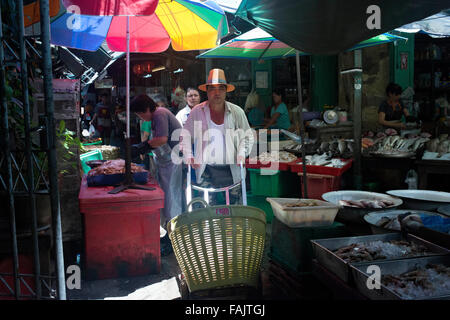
342 116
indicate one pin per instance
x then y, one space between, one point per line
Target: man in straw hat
221 135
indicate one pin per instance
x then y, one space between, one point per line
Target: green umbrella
258 44
329 26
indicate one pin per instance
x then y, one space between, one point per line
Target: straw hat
216 76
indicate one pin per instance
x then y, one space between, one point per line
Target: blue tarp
436 223
436 26
89 32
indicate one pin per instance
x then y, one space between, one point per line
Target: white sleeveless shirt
217 144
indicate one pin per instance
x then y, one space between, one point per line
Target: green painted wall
324 82
403 77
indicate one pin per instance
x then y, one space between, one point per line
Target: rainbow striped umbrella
258 44
185 24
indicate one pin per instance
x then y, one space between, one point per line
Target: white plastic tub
294 217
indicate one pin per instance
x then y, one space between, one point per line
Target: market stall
122 230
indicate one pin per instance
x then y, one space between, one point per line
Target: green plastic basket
92 143
219 246
88 156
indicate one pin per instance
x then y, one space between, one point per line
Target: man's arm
158 141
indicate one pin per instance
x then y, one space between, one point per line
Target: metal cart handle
195 200
206 191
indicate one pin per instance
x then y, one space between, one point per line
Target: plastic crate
88 156
273 183
297 166
291 247
261 203
318 184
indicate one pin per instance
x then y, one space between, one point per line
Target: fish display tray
297 166
356 215
395 267
323 251
115 179
372 218
421 199
399 154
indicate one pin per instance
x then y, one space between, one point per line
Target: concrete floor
162 286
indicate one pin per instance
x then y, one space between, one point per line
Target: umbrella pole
357 120
301 125
128 177
128 183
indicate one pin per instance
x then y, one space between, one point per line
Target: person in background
87 116
119 126
391 110
279 114
164 124
254 109
217 154
161 101
192 99
103 119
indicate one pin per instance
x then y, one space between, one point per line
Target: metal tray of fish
396 154
323 251
361 276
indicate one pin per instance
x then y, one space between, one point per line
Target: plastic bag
411 179
91 130
252 100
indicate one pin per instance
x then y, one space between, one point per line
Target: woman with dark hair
392 109
279 114
161 101
192 99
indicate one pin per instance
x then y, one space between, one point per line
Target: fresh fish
443 148
433 145
402 144
393 141
419 143
350 146
324 147
342 146
409 143
334 146
387 142
397 143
